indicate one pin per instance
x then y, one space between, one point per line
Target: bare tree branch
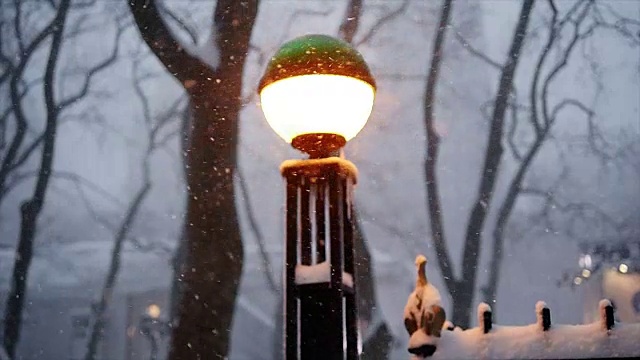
264 55
16 99
17 25
628 28
101 66
533 92
79 183
133 210
25 88
433 145
253 223
159 38
114 268
351 21
30 209
490 291
382 21
367 301
159 248
193 36
7 65
543 131
27 153
565 60
164 119
577 210
80 27
475 52
511 132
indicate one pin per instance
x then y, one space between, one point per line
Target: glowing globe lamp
317 93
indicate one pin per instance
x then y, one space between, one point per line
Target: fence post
606 314
448 325
543 314
484 317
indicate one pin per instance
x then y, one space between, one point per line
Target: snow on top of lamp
317 93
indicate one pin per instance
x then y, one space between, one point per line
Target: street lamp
317 93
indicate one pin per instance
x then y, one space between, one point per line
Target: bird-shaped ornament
424 315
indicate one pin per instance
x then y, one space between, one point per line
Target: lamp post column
320 291
317 93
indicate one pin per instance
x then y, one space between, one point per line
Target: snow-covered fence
433 337
542 340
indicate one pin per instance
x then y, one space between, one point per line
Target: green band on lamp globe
316 54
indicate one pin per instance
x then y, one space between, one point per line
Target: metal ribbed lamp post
317 93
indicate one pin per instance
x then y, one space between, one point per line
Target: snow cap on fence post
484 317
543 315
448 325
606 314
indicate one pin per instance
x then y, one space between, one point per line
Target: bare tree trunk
493 156
214 251
491 289
433 145
179 257
30 209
